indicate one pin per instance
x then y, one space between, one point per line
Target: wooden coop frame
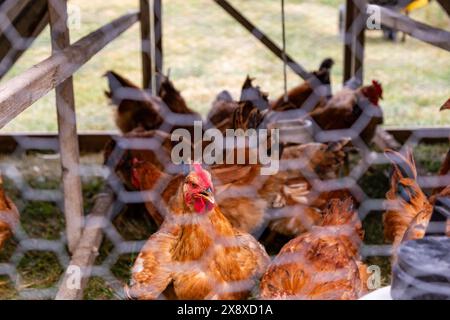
84 234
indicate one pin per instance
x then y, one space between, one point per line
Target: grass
208 52
44 220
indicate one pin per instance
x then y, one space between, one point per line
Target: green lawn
208 52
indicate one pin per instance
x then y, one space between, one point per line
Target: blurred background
208 52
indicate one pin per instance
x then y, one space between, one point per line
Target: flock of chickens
205 246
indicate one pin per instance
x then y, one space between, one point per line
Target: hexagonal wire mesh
273 208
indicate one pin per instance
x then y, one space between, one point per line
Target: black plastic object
422 271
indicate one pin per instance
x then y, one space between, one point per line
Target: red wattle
199 205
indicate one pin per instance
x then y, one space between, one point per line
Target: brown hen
323 263
245 212
197 251
410 209
345 109
245 114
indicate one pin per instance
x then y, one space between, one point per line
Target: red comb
201 174
377 84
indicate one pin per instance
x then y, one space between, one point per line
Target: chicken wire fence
354 161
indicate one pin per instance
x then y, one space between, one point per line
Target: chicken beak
208 195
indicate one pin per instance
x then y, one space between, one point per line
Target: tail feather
115 83
326 64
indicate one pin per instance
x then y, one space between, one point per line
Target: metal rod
283 27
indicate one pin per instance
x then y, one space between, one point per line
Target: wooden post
151 37
84 256
144 17
349 39
67 130
158 54
445 5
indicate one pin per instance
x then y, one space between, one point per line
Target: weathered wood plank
434 36
87 250
258 34
157 26
349 39
19 93
67 129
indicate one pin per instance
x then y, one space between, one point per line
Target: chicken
323 263
9 216
120 152
349 107
172 97
291 192
410 211
197 250
221 113
300 94
136 109
254 95
421 225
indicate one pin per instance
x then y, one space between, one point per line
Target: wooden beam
434 36
258 34
144 17
19 93
87 250
67 129
27 19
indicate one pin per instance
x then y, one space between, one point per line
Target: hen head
198 190
374 92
